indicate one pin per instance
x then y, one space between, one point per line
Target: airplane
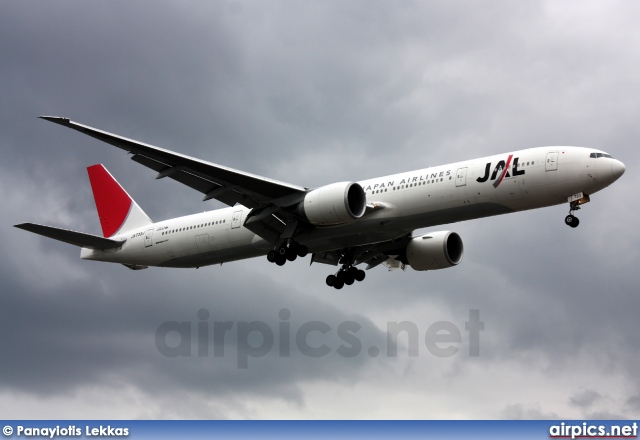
346 224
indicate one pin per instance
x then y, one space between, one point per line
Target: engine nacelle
437 250
333 204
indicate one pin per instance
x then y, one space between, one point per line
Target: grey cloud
585 398
519 411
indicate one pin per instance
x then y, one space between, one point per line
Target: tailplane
117 211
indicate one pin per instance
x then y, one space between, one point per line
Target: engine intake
437 250
333 204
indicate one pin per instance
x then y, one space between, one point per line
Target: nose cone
617 169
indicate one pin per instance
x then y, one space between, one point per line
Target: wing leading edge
215 181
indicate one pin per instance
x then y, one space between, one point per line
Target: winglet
56 119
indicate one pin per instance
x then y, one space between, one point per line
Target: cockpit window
596 155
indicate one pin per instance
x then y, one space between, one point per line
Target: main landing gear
347 275
289 252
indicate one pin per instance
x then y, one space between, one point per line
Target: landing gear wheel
349 275
572 221
280 260
359 276
271 256
302 251
291 254
339 284
331 280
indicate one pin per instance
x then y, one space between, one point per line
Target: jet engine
437 250
333 204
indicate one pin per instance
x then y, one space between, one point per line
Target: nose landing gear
572 220
574 204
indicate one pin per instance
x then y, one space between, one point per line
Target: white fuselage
398 204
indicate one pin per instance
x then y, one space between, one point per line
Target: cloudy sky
312 93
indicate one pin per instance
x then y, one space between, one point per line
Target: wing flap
72 237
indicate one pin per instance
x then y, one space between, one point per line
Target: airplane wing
72 237
214 181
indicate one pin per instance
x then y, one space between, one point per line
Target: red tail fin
117 211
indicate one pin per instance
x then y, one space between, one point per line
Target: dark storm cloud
92 331
313 93
585 399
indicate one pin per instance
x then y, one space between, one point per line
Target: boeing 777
344 224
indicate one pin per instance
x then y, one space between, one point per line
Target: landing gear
335 282
574 204
346 275
572 221
287 252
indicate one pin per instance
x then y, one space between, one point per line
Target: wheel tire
360 275
331 280
575 222
282 251
340 275
349 280
302 251
291 255
569 220
271 256
280 260
339 284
